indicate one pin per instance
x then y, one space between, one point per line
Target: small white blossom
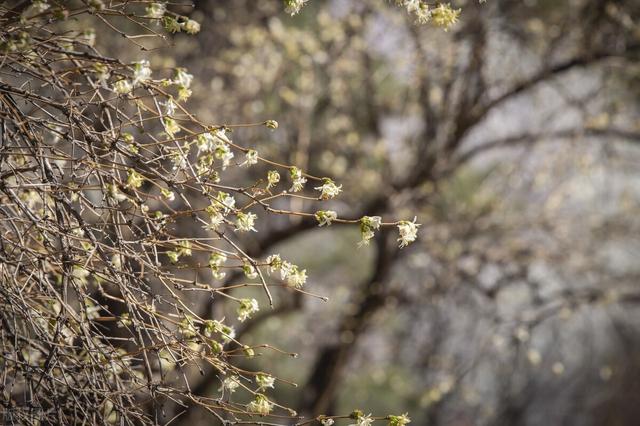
368 224
260 405
298 180
275 262
264 381
141 72
273 177
325 217
182 78
245 222
363 421
250 158
249 271
327 422
191 27
230 383
168 195
293 7
122 86
329 189
247 308
408 232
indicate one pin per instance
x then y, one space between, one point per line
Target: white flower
368 224
155 10
327 422
191 27
182 78
245 222
122 87
249 271
169 107
273 177
363 421
250 158
293 7
297 178
329 189
325 217
171 127
293 275
168 195
230 383
247 308
400 420
265 381
260 405
274 261
215 260
141 72
408 232
227 201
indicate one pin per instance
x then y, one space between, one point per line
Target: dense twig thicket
101 165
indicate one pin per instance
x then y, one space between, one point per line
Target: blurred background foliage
514 139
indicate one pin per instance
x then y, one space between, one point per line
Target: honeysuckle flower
298 180
168 195
215 326
205 143
445 16
169 107
275 262
134 179
114 192
400 420
182 78
368 224
184 248
363 421
246 308
245 221
155 10
223 152
293 7
296 277
173 256
327 422
217 259
325 217
273 177
248 351
226 201
191 27
122 86
249 271
329 189
187 327
171 127
265 381
260 405
250 158
179 159
271 124
230 383
408 232
141 72
216 347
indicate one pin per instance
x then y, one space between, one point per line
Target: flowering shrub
101 165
